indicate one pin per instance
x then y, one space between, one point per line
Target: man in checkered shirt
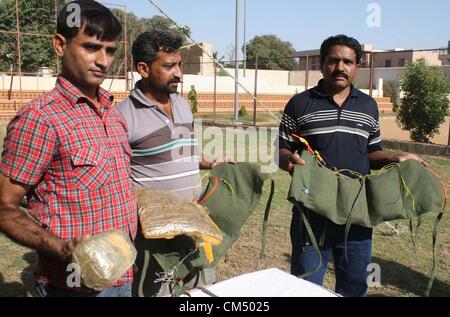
68 152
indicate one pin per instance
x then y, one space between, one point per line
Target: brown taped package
164 215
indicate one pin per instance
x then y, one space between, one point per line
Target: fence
24 70
272 88
25 41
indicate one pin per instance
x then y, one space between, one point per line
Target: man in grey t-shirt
165 153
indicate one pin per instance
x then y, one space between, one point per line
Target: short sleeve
375 136
28 148
288 126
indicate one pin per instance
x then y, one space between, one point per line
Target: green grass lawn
245 119
261 118
402 274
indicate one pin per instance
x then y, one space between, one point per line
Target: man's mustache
175 81
339 74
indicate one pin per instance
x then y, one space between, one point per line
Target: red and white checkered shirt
78 161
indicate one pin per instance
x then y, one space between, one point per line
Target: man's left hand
409 156
226 159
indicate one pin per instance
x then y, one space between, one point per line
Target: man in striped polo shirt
165 153
342 124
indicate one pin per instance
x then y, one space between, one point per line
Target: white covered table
266 283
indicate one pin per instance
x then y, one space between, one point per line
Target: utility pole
236 70
18 46
245 37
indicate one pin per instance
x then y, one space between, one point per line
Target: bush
192 97
425 104
242 112
389 90
222 72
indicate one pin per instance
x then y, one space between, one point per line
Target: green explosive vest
405 190
231 195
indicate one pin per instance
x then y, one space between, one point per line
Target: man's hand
287 160
68 247
226 159
294 159
409 156
209 163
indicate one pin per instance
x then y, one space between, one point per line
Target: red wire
216 182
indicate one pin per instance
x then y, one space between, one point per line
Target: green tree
136 26
35 16
425 104
272 52
242 111
192 97
38 16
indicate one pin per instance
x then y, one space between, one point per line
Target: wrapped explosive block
104 258
164 215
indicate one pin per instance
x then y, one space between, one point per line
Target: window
387 63
401 62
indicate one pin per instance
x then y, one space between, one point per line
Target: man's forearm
23 230
379 159
206 163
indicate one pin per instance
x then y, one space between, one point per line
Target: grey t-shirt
165 153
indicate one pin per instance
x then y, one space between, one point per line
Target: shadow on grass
408 279
23 288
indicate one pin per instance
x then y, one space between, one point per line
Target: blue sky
408 24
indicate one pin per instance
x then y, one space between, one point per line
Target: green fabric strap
312 238
144 273
350 218
266 217
433 271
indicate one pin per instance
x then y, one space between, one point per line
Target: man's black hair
96 19
340 39
149 43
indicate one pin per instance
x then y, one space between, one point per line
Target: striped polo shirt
165 153
343 135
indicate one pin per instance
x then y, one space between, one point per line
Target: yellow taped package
165 215
104 258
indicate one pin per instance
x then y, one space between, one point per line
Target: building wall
269 81
47 83
432 57
196 61
396 59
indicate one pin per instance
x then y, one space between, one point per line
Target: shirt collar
139 95
74 96
318 90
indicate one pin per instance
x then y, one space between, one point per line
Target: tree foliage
136 26
425 104
35 16
192 97
272 52
39 16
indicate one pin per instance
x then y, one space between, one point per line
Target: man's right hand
68 247
294 159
